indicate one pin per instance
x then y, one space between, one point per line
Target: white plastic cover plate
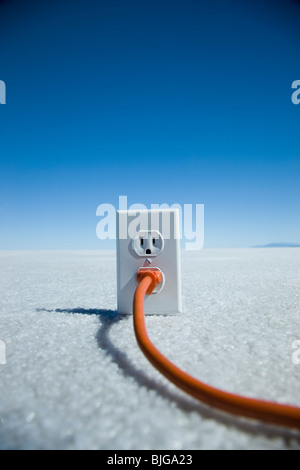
149 238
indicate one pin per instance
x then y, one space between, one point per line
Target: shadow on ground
109 318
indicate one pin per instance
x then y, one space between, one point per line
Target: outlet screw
148 261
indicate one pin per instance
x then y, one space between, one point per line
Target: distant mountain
279 245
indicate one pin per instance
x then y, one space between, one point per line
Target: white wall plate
149 238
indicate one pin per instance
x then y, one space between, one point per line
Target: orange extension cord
284 415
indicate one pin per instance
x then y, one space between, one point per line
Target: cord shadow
109 318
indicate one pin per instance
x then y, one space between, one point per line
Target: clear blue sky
163 101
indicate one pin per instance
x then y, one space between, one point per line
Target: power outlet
148 243
149 238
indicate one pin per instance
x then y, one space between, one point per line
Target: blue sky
162 101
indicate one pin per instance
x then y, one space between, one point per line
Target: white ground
75 378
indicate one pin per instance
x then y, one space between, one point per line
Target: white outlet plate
133 224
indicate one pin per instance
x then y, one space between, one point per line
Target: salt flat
75 378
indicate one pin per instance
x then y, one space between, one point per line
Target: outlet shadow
109 318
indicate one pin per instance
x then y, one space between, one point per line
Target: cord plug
155 275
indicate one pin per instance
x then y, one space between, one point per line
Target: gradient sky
163 101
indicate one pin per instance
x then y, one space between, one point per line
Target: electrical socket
148 243
149 238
